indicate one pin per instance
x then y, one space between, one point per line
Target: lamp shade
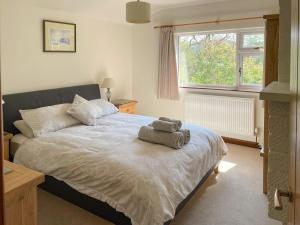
108 83
138 12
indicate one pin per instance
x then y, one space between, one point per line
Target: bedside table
6 138
20 194
125 106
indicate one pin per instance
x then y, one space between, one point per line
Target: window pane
253 67
207 59
253 40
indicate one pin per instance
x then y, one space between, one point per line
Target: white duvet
108 162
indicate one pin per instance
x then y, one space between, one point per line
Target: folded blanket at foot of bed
165 126
186 134
174 140
178 122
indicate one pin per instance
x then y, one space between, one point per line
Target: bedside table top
118 102
20 176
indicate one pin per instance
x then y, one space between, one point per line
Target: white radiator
228 115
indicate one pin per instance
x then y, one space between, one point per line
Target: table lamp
108 83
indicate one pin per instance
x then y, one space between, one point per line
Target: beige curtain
167 71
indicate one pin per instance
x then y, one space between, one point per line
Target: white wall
145 67
129 54
216 9
103 48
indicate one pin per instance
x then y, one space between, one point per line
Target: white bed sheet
15 143
108 162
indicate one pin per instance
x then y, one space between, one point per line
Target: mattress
108 162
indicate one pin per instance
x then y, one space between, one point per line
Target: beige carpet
234 197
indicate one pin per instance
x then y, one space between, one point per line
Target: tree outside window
221 59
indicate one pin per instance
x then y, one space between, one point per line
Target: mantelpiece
276 91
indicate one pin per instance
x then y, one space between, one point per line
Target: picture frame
59 36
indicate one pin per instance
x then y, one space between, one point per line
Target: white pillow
85 111
107 107
48 119
24 128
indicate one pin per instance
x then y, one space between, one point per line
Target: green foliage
253 40
252 70
211 60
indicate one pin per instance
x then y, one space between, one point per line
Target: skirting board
241 142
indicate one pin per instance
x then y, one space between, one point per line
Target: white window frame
241 69
240 52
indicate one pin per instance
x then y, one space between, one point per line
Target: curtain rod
209 22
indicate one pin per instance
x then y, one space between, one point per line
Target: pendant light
138 12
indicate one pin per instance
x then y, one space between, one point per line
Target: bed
106 170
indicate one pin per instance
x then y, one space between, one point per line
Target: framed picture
59 36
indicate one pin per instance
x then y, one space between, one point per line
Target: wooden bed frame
30 100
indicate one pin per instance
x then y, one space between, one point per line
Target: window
233 60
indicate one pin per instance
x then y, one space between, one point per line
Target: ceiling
83 4
114 10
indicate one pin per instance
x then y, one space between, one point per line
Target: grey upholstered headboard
36 99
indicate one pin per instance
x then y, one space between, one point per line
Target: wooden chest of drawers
126 106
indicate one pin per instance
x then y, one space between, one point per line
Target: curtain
167 71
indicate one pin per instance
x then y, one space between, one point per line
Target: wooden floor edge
241 142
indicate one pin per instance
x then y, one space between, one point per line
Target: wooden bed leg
216 170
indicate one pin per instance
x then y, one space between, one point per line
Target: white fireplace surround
278 96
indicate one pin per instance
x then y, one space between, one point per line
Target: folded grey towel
173 140
187 135
179 123
165 126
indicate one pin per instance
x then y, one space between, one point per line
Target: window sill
222 89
